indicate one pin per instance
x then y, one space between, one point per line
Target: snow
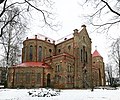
68 94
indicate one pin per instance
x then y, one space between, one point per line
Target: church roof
33 64
96 54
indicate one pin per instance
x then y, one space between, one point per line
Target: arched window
27 75
38 78
17 77
58 68
84 53
50 52
69 47
69 79
81 54
31 52
40 53
24 54
86 57
69 68
59 50
57 78
25 51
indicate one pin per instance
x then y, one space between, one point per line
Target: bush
114 85
5 84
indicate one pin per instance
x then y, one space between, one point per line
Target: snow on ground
74 94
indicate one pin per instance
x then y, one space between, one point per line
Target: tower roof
96 53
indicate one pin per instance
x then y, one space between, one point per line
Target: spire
96 53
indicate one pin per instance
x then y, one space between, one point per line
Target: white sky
69 13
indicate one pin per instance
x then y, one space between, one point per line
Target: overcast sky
70 13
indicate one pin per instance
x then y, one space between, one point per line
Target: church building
45 63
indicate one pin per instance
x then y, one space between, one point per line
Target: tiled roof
33 64
95 54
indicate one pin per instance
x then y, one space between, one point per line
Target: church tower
98 70
83 58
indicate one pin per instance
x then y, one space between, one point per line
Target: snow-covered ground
74 94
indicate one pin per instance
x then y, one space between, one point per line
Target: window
86 56
27 75
69 79
69 47
57 78
25 54
31 53
17 77
45 51
81 54
84 53
58 68
50 50
69 68
59 50
40 53
38 77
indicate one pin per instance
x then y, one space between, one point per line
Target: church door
48 80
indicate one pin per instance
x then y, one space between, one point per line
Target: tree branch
42 11
98 11
7 23
106 23
3 8
110 8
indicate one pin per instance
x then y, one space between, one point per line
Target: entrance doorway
48 80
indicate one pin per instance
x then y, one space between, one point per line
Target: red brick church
67 64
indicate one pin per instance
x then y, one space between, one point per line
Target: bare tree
106 13
12 37
109 74
12 13
12 34
115 54
43 7
13 20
